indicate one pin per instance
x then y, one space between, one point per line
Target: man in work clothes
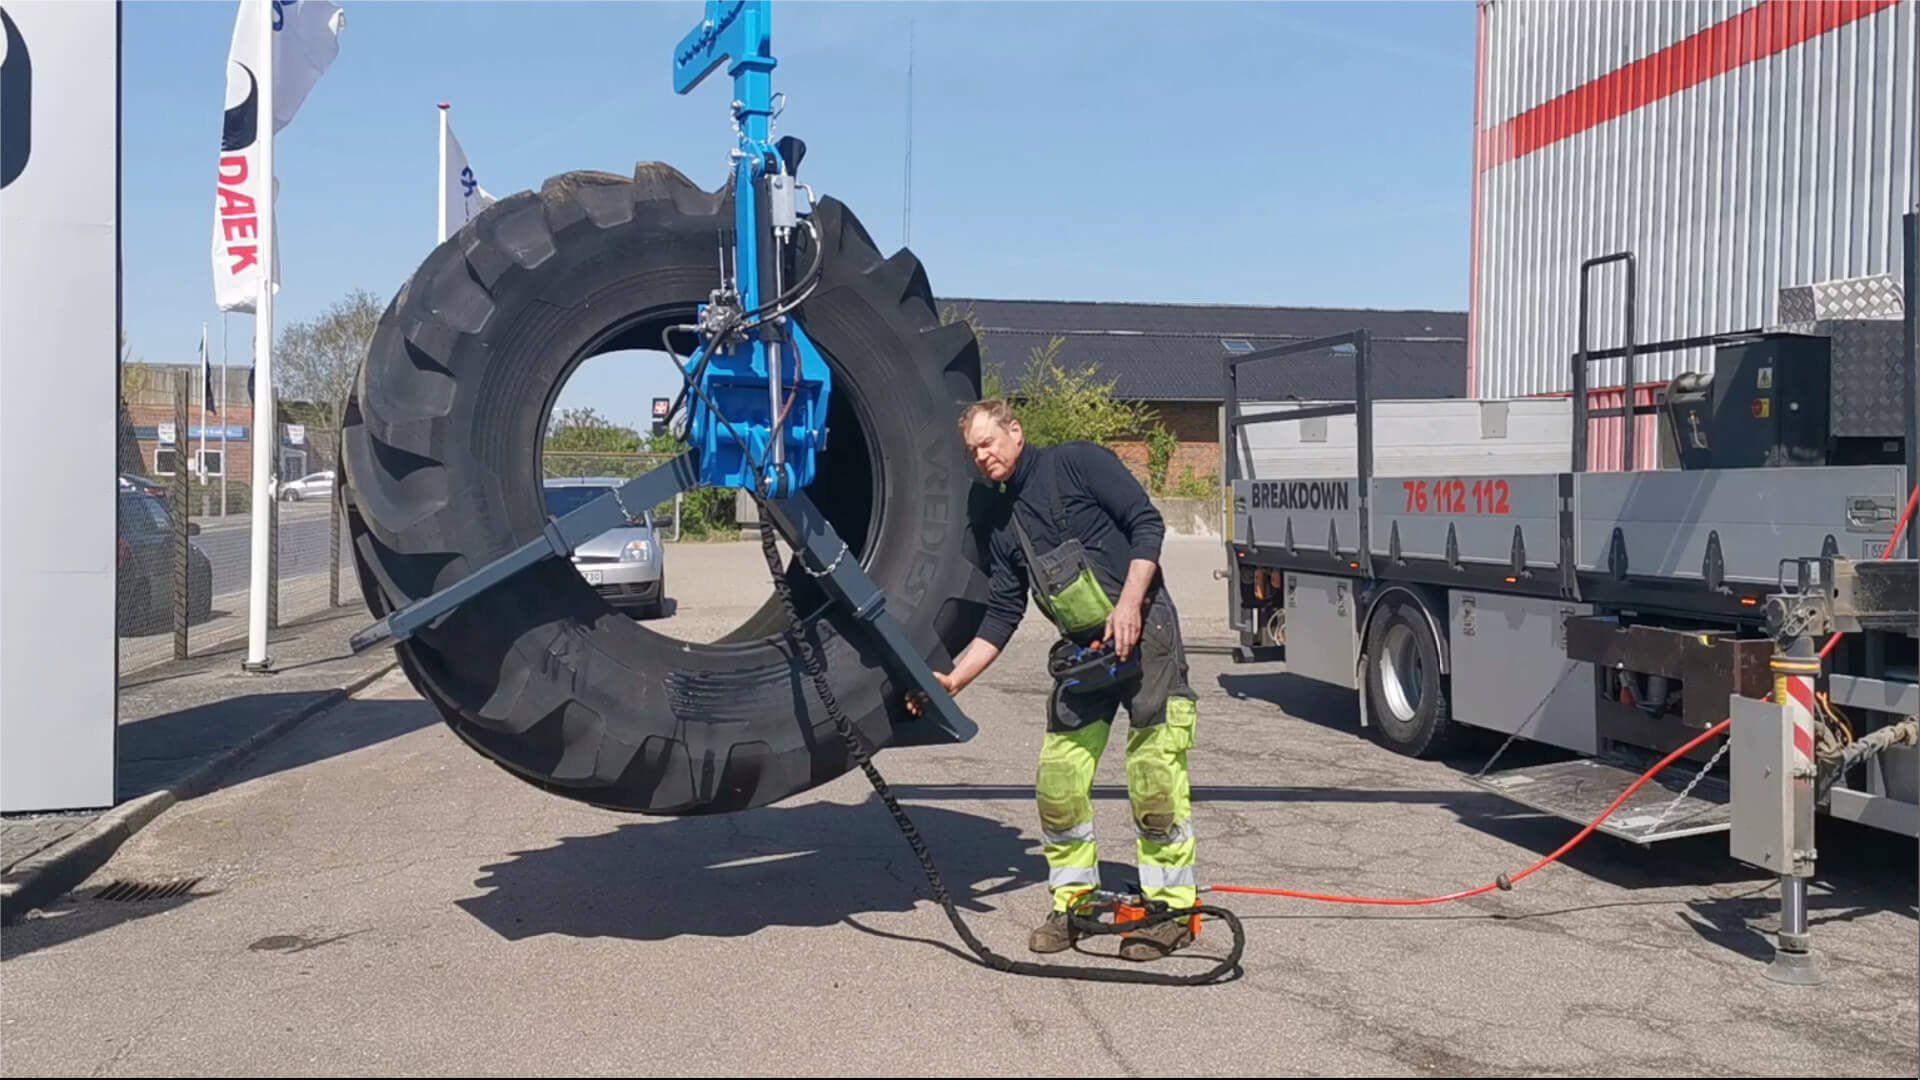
1078 530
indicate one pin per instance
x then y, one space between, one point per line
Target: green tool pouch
1064 584
1070 594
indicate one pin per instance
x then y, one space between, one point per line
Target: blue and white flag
461 196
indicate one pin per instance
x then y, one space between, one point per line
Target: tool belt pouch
1078 670
1065 587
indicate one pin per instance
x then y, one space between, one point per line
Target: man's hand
973 660
1123 627
917 703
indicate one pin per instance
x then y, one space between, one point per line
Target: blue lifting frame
747 341
754 369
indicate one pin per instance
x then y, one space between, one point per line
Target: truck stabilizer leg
1794 617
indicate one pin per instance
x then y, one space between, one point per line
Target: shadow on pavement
729 876
157 752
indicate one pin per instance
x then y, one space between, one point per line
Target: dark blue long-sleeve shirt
1106 510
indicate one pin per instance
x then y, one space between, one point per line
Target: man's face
994 447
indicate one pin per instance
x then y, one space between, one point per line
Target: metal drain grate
132 892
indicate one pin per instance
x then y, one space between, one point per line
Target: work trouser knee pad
1063 792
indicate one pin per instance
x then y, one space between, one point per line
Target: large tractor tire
440 447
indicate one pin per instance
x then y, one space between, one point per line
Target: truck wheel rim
1402 676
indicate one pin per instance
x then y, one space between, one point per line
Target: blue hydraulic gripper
755 372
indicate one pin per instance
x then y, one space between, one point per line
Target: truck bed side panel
1481 513
1666 521
1309 516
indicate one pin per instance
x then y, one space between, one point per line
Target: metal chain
1688 790
1528 722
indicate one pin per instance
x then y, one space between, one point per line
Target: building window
1235 344
164 459
213 463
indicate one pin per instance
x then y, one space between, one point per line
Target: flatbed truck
1462 563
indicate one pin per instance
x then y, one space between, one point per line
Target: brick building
1170 357
153 445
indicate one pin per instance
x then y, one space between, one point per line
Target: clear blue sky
1309 154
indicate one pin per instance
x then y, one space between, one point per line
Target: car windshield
565 500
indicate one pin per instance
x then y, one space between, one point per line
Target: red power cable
1504 882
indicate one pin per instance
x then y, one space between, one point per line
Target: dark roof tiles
1175 352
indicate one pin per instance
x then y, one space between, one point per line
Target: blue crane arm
758 405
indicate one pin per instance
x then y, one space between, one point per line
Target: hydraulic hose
1503 881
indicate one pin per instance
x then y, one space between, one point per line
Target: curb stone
52 873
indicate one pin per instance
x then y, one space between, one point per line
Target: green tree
581 442
1057 403
316 360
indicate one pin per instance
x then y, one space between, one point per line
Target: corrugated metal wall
1605 128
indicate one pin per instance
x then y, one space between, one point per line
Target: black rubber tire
442 474
1428 729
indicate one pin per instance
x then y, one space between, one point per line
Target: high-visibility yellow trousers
1163 711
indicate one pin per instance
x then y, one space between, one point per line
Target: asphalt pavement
369 896
303 545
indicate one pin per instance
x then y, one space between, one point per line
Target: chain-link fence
185 546
186 513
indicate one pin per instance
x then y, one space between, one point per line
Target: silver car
625 564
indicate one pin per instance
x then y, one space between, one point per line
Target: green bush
1197 487
1161 444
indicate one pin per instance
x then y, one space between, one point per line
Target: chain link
1688 790
1530 718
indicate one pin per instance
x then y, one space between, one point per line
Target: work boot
1156 941
1053 935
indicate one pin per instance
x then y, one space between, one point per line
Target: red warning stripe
1801 691
1773 26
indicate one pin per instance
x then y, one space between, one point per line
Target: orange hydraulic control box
1124 913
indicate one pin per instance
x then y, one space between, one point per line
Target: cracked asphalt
374 898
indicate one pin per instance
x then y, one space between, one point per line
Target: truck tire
442 474
1406 692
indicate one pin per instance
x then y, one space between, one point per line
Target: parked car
130 482
144 560
625 564
311 486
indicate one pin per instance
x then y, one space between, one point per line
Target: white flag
461 196
305 42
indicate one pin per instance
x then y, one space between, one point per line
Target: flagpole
226 464
440 186
206 368
265 428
